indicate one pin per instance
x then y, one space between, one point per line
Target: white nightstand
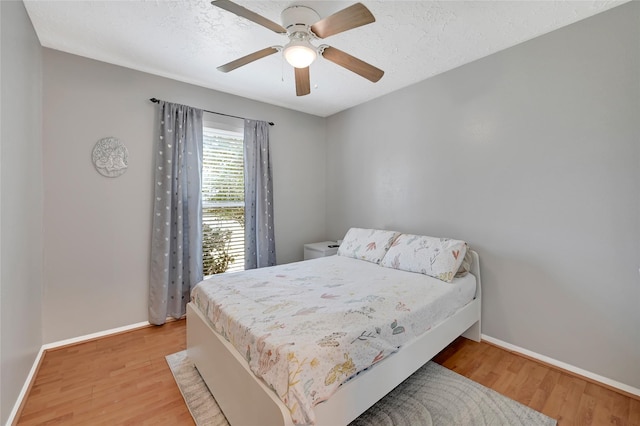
321 249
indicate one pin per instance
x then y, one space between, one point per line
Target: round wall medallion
110 157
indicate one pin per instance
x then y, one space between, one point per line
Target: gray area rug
433 395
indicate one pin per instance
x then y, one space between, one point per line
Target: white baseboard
25 387
568 367
92 336
60 343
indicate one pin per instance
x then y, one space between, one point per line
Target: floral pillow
366 244
437 257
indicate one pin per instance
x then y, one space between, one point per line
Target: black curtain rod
155 101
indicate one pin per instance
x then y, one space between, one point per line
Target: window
222 201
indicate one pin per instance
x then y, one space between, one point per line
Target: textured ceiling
187 39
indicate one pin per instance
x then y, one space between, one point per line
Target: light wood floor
125 380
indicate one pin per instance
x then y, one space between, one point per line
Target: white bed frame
246 401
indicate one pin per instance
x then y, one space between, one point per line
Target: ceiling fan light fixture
300 54
301 24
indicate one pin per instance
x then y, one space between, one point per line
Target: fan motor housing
298 19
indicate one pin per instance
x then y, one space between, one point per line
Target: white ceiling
187 39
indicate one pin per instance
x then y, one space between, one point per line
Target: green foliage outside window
216 240
216 258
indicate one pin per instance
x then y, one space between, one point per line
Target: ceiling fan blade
353 16
247 59
248 14
303 83
353 64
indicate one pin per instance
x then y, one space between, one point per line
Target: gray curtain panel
260 247
176 242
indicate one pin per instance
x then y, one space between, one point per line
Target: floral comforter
307 327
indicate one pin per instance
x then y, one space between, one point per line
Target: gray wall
20 201
532 156
97 229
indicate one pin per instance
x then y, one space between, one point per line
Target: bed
354 341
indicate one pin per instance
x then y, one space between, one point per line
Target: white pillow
437 257
366 244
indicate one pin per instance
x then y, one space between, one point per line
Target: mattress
307 327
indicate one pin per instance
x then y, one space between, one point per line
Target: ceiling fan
303 24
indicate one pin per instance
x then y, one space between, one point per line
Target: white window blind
222 201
